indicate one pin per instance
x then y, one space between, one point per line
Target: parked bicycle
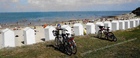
64 41
107 33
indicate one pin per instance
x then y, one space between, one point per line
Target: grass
84 44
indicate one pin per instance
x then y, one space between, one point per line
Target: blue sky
67 5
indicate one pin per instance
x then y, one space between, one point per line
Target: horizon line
63 11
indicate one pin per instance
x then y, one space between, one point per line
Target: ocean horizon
13 17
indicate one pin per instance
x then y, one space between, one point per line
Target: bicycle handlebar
55 31
103 28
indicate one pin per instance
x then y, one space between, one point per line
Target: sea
13 17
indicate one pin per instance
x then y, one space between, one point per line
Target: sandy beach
40 37
19 37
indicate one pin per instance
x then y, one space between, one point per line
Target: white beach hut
115 25
137 22
98 24
127 24
29 36
48 33
90 27
0 26
78 29
121 25
134 22
67 27
8 38
108 24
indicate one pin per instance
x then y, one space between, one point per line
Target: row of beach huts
8 36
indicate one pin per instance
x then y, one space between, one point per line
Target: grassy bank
88 47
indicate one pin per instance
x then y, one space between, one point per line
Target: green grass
84 44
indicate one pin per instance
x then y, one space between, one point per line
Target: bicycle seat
67 34
109 32
53 31
108 27
100 26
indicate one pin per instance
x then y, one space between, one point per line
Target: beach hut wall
98 24
127 24
134 20
8 38
48 33
132 23
121 25
90 28
115 25
68 28
108 24
137 22
29 36
78 29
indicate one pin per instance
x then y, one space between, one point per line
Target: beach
39 26
18 30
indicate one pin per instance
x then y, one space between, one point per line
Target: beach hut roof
26 28
5 30
89 23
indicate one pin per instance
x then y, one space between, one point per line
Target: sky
67 5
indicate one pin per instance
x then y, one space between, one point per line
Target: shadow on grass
60 49
104 39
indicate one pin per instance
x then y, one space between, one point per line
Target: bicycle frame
67 43
106 33
72 42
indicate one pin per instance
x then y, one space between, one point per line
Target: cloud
58 5
15 0
73 4
77 2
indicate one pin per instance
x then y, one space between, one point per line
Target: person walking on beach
58 26
45 25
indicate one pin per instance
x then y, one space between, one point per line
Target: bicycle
67 43
107 33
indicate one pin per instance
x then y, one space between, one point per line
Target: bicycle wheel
112 36
68 49
73 46
99 35
56 41
106 37
74 49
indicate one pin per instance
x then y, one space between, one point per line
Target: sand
19 41
40 35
